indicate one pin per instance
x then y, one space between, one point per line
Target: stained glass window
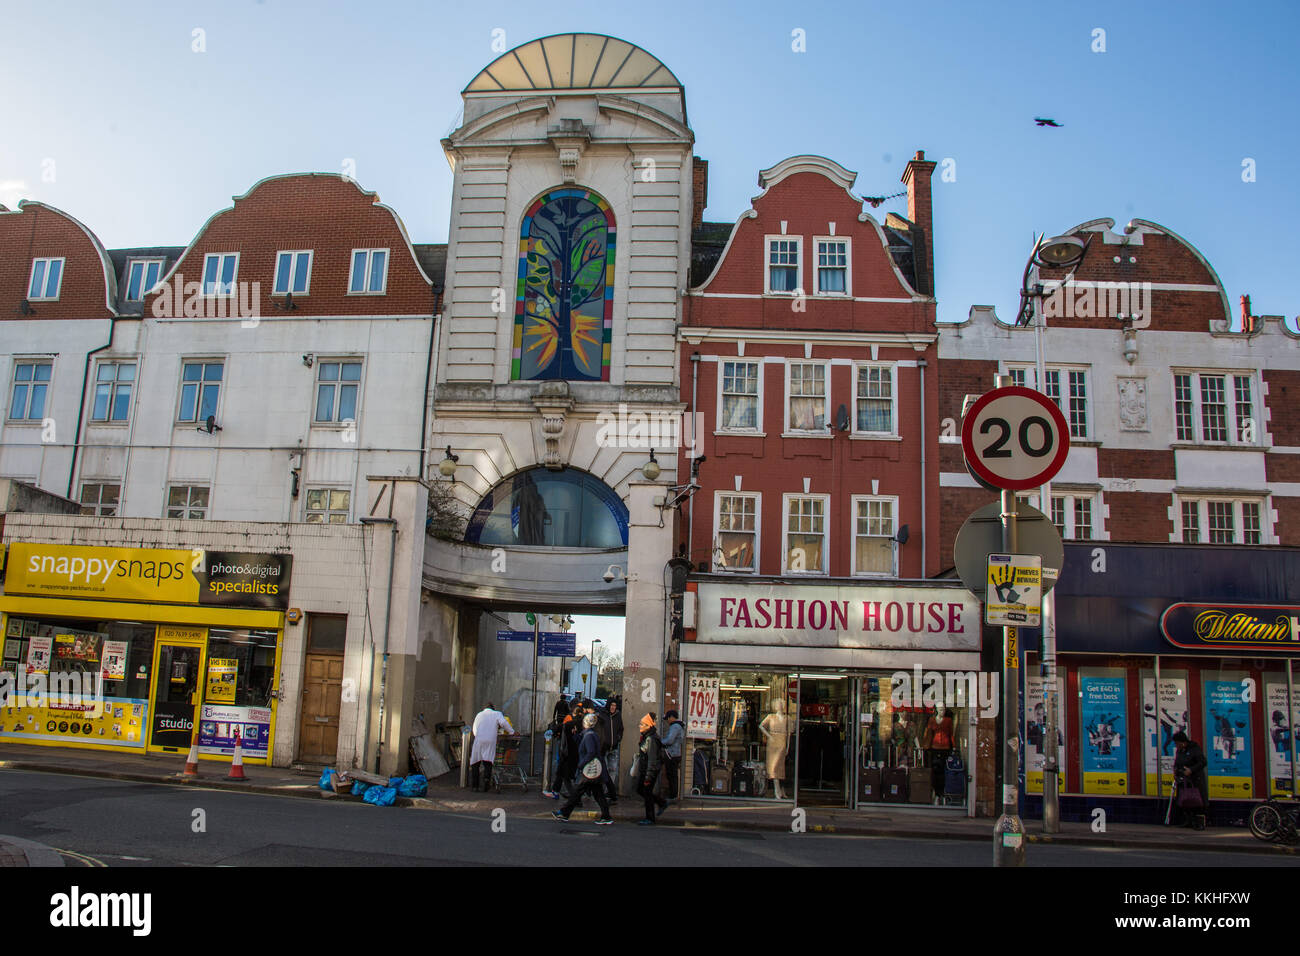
564 305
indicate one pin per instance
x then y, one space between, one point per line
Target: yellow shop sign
124 574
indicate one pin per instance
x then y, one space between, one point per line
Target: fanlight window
544 508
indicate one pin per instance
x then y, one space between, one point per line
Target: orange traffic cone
237 762
192 761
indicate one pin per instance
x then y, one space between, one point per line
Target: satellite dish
902 535
842 418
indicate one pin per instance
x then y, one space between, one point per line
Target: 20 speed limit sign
1015 438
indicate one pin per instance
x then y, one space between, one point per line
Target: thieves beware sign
1015 590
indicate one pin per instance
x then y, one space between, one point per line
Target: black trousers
594 787
938 769
651 801
672 767
487 774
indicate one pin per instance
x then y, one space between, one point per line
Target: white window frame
767 266
307 511
143 265
45 279
786 500
824 431
112 397
33 361
167 495
757 498
1229 377
340 360
293 271
722 427
383 288
101 484
1069 498
203 360
855 500
1238 524
1029 371
893 385
221 290
848 267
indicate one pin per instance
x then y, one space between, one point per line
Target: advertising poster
1103 736
114 721
77 647
1227 739
222 673
113 665
13 649
14 627
1280 733
1162 719
39 650
218 725
1036 732
702 711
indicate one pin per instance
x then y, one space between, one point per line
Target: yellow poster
107 722
222 674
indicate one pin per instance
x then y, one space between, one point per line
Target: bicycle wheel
1266 822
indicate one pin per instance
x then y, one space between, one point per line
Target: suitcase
869 784
720 780
954 777
700 767
742 781
893 785
920 785
760 777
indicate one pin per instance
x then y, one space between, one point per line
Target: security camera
608 576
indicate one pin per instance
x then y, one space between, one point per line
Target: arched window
564 305
544 508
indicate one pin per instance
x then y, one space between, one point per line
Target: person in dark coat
649 761
674 734
588 750
1189 769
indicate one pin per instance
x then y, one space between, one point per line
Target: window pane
109 494
90 494
739 411
329 371
874 555
228 274
188 393
283 265
377 260
1191 523
41 373
106 372
316 499
347 403
37 409
126 372
18 407
152 272
121 403
38 279
1245 413
358 283
339 500
1220 521
1083 519
1214 410
177 496
52 278
192 372
209 402
135 275
302 271
25 373
210 266
100 411
213 373
351 372
783 278
1251 533
198 497
325 403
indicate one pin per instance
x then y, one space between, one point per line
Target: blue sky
148 138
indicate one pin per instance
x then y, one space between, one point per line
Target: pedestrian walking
592 776
1193 785
488 723
649 762
674 734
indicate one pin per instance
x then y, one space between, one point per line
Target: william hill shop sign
153 575
1236 627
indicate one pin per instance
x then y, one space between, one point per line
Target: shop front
839 694
132 649
1198 640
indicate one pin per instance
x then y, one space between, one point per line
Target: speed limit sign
1015 438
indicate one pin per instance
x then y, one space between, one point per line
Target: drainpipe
696 439
921 364
81 409
428 375
388 614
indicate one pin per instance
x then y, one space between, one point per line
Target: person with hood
649 761
588 753
487 724
567 752
674 733
1189 771
615 709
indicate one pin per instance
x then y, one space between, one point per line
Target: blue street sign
514 635
558 645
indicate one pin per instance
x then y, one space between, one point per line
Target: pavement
446 795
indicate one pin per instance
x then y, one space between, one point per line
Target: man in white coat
487 725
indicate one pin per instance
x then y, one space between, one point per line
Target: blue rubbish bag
394 782
325 779
381 796
359 788
416 785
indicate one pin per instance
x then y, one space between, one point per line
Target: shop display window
740 734
241 667
910 746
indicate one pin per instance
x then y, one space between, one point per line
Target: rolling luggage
743 782
920 785
701 766
869 784
954 778
720 780
894 785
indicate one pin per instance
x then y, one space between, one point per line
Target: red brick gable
38 231
321 212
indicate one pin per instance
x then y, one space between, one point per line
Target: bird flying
1047 122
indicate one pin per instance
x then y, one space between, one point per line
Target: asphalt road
115 823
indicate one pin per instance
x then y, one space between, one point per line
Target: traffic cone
237 762
192 761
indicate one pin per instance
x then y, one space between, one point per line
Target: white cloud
12 190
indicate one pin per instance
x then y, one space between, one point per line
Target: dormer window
219 273
47 276
293 272
369 272
141 276
783 263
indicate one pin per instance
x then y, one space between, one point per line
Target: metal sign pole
1047 655
532 717
1008 832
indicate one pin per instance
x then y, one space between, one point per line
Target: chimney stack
700 189
1247 320
917 179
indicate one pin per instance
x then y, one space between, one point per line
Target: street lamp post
593 665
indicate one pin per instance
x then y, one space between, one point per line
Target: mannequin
937 743
775 729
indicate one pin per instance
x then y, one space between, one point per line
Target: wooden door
319 719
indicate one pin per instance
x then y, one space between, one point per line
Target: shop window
328 505
31 383
1228 728
241 667
113 385
1165 712
805 534
910 747
100 498
736 535
187 501
1104 733
740 734
739 396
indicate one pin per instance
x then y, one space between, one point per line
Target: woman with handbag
1193 786
592 777
649 761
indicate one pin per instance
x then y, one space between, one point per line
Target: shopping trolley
506 766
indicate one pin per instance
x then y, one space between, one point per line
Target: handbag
1189 797
592 768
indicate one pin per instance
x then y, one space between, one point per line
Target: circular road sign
1015 438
